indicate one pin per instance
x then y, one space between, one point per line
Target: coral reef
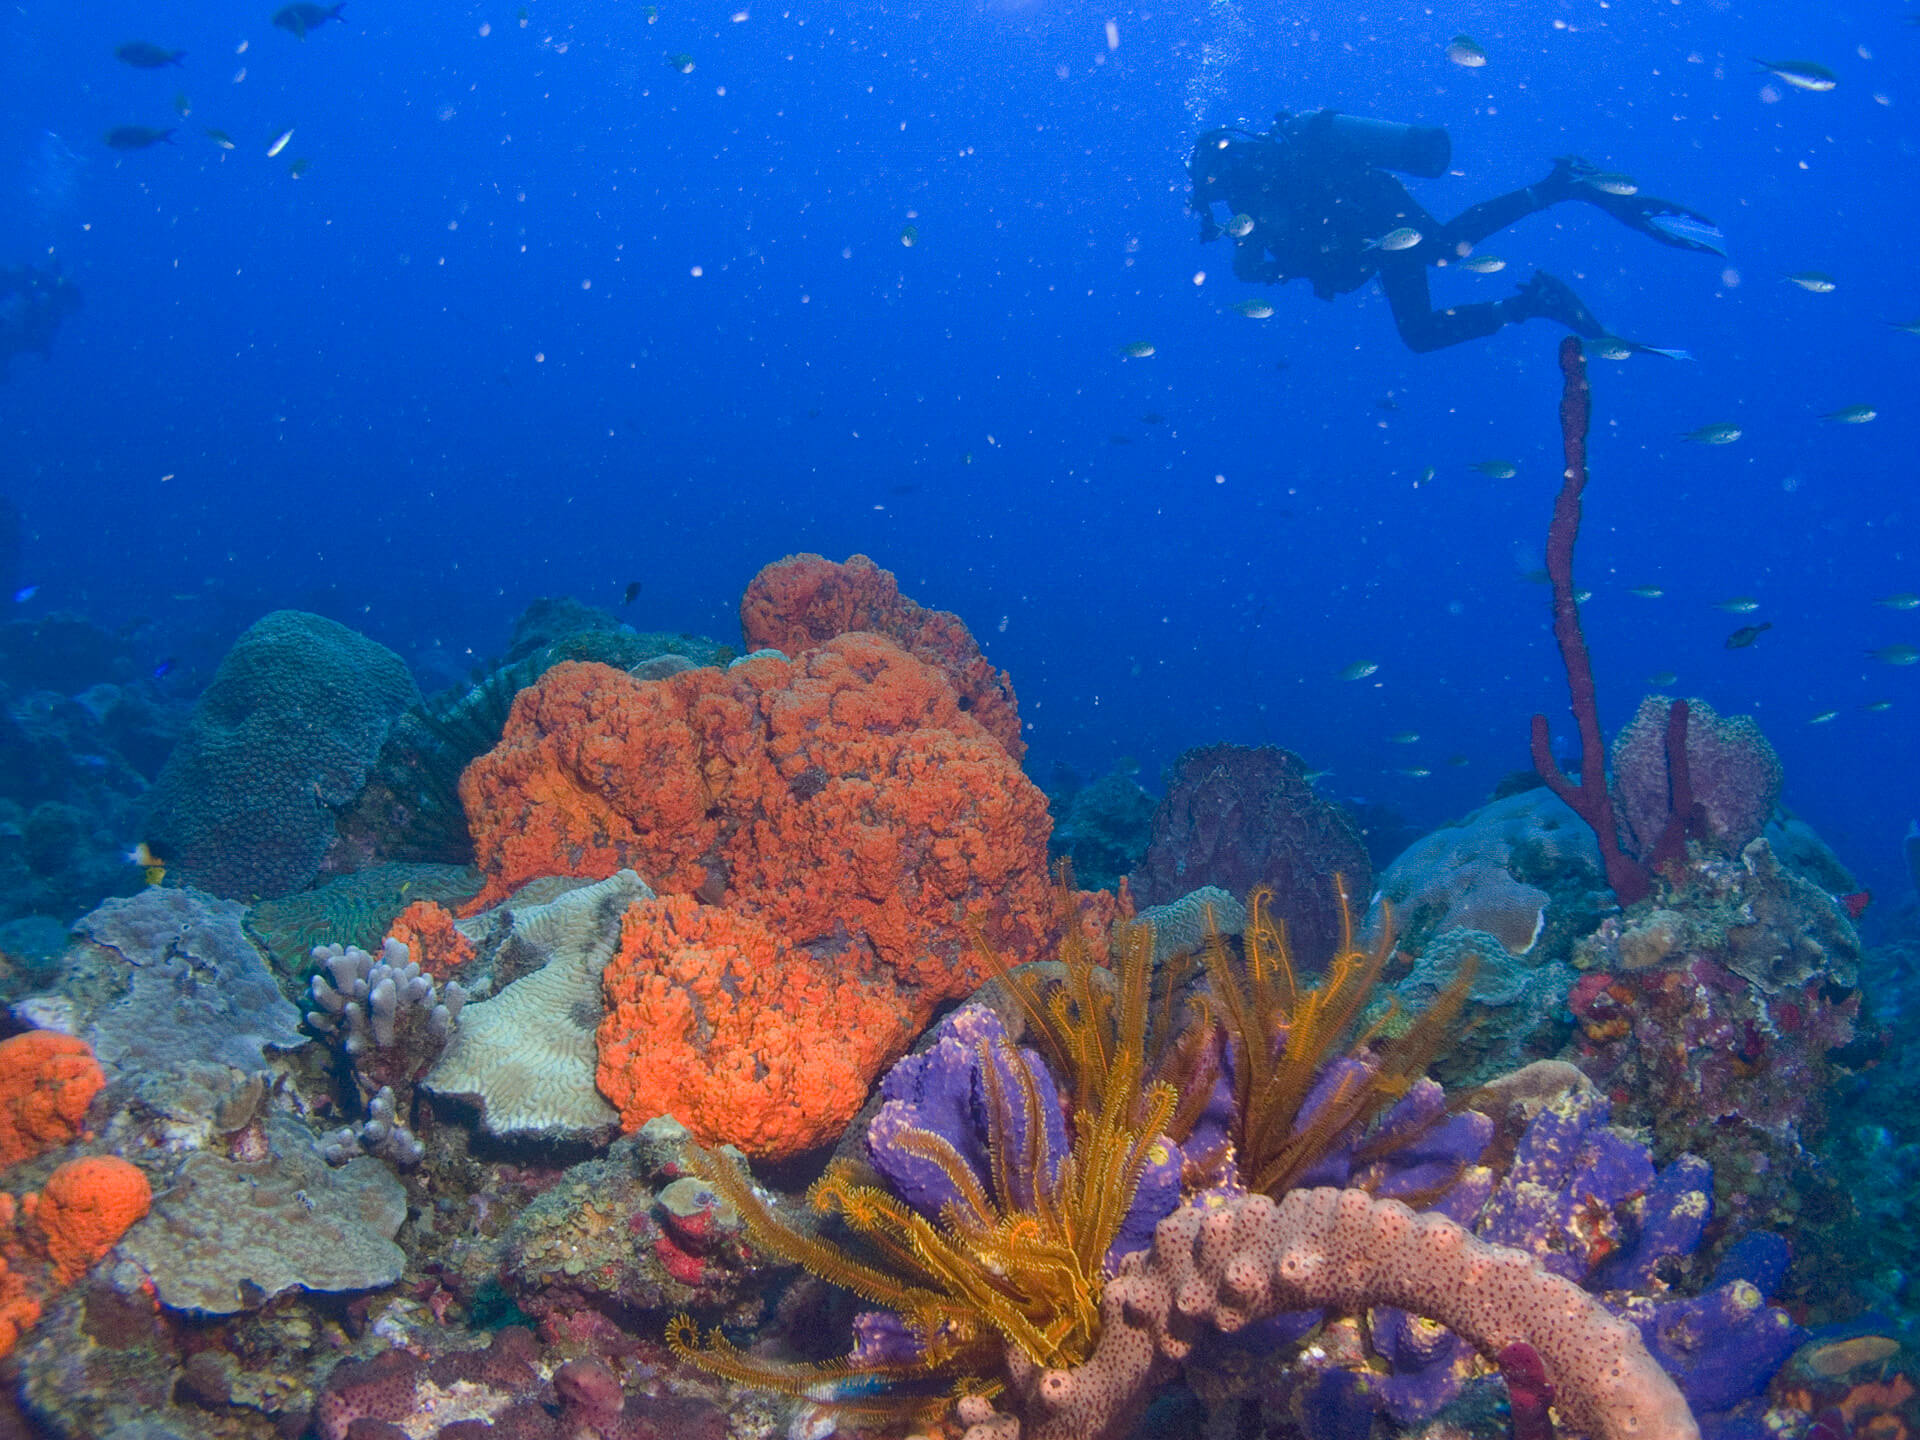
357 909
283 736
844 799
712 1020
803 601
1237 817
1103 827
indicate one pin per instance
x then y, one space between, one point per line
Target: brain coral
843 799
284 735
806 600
712 1020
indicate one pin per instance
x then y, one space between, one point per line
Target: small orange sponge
432 942
47 1081
86 1207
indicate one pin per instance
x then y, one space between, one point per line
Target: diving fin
1664 220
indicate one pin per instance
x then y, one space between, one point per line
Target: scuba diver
1311 199
33 302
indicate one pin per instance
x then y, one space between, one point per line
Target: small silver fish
1737 605
1814 282
1483 264
1359 670
1496 469
1465 51
1850 415
1801 74
1255 309
1404 237
1724 433
1609 184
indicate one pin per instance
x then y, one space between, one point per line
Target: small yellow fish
1850 415
1646 592
1814 282
1483 264
1899 653
279 145
1255 309
1737 605
1824 717
1496 469
1905 600
1359 670
1840 1357
1240 226
1137 349
1405 237
1724 433
1465 51
1660 679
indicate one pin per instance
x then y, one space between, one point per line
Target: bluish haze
544 314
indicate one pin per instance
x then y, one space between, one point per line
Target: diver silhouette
1311 199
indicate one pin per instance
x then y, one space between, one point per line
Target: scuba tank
1423 150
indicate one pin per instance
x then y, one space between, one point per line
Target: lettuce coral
47 1081
806 600
845 800
712 1020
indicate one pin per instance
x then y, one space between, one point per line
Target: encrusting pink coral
1225 1262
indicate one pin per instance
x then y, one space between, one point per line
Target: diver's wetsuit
1319 211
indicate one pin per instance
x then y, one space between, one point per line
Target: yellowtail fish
1905 600
1359 670
1899 653
1405 237
1483 264
1850 415
1801 74
1240 226
1496 469
1724 433
279 145
1814 282
1255 309
1646 592
1747 634
1737 605
1608 184
1137 350
1465 51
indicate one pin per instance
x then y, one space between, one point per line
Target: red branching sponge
805 600
845 800
47 1081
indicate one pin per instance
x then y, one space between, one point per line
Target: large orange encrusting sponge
47 1081
19 1311
713 1021
85 1207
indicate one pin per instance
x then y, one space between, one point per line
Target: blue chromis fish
1137 349
1850 415
1465 51
1800 74
1724 433
136 137
1359 670
1403 237
1814 282
299 19
142 56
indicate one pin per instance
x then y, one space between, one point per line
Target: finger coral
85 1207
47 1081
845 800
712 1020
806 600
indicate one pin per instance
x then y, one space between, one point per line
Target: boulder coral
712 1020
47 1081
844 799
806 600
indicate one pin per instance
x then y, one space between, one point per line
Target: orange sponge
85 1208
432 942
47 1081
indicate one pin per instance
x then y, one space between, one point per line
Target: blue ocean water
547 312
